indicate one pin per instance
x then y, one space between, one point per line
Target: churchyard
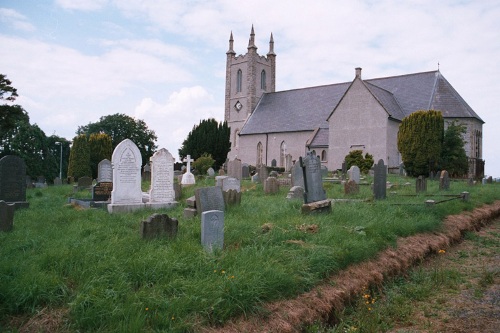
91 269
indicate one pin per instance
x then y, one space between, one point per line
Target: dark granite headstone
421 184
212 230
245 171
6 216
273 163
313 183
444 181
209 198
13 180
102 191
159 225
380 180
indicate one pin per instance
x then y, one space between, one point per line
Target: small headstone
380 180
288 162
263 173
127 194
211 172
6 216
209 198
421 184
232 197
102 191
313 184
146 173
84 182
245 171
219 180
271 185
444 180
177 191
354 174
273 163
344 169
273 174
297 175
161 193
212 230
402 171
188 177
159 225
230 183
255 178
296 192
351 187
470 181
57 181
13 181
190 211
324 171
234 169
104 171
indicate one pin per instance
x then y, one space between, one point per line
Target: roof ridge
402 75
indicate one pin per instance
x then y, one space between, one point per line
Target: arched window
282 153
239 80
263 80
323 155
259 154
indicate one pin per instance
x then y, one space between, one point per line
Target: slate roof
307 109
319 138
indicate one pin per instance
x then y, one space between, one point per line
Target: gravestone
245 171
344 169
230 183
324 171
234 168
102 191
444 180
380 180
84 182
354 173
161 193
313 184
288 163
6 216
297 175
209 198
13 181
351 187
421 184
159 226
212 230
273 163
489 180
126 195
188 177
190 211
57 181
211 172
402 171
263 173
296 192
219 180
255 178
146 173
104 171
271 185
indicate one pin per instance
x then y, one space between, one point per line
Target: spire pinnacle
271 46
231 40
251 42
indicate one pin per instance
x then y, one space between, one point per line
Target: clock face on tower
238 106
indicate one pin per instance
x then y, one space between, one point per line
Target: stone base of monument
159 205
88 203
323 206
190 213
124 208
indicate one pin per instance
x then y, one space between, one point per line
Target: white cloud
84 5
16 20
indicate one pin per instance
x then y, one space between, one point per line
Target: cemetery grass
87 270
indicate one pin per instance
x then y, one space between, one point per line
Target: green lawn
96 267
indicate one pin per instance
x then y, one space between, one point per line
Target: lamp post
60 160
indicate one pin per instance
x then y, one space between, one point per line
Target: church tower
248 76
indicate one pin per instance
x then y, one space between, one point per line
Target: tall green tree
79 158
208 137
453 155
420 140
7 89
120 127
101 148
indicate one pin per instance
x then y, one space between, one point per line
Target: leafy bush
203 163
355 157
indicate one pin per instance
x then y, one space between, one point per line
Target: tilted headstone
380 180
354 173
188 177
209 198
212 230
161 193
6 216
127 194
313 183
271 185
351 187
211 172
102 191
104 171
13 181
421 184
296 192
159 225
444 180
234 169
245 171
297 175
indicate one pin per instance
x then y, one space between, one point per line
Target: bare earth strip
330 297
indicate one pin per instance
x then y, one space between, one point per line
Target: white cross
188 160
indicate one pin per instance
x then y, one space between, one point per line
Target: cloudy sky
163 61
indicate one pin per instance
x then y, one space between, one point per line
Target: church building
275 127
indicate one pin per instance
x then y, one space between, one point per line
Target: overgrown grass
96 265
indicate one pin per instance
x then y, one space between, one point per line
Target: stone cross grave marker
159 225
313 183
6 216
380 180
209 198
188 177
212 230
126 195
354 173
234 169
444 181
13 181
162 193
104 171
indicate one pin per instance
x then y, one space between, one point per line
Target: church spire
251 42
231 41
271 46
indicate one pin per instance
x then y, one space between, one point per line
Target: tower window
239 80
259 154
263 80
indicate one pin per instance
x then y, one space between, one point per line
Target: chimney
358 72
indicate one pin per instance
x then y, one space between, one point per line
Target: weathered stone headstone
324 171
6 216
444 180
380 180
104 171
13 181
288 162
230 183
84 182
126 195
255 178
190 211
245 171
209 198
354 173
102 191
57 181
234 169
344 169
232 197
351 187
219 180
402 171
211 172
146 173
297 175
212 230
421 184
161 193
271 185
313 184
273 163
188 177
296 192
263 173
159 225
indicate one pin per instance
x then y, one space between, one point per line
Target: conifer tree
453 156
79 158
101 147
